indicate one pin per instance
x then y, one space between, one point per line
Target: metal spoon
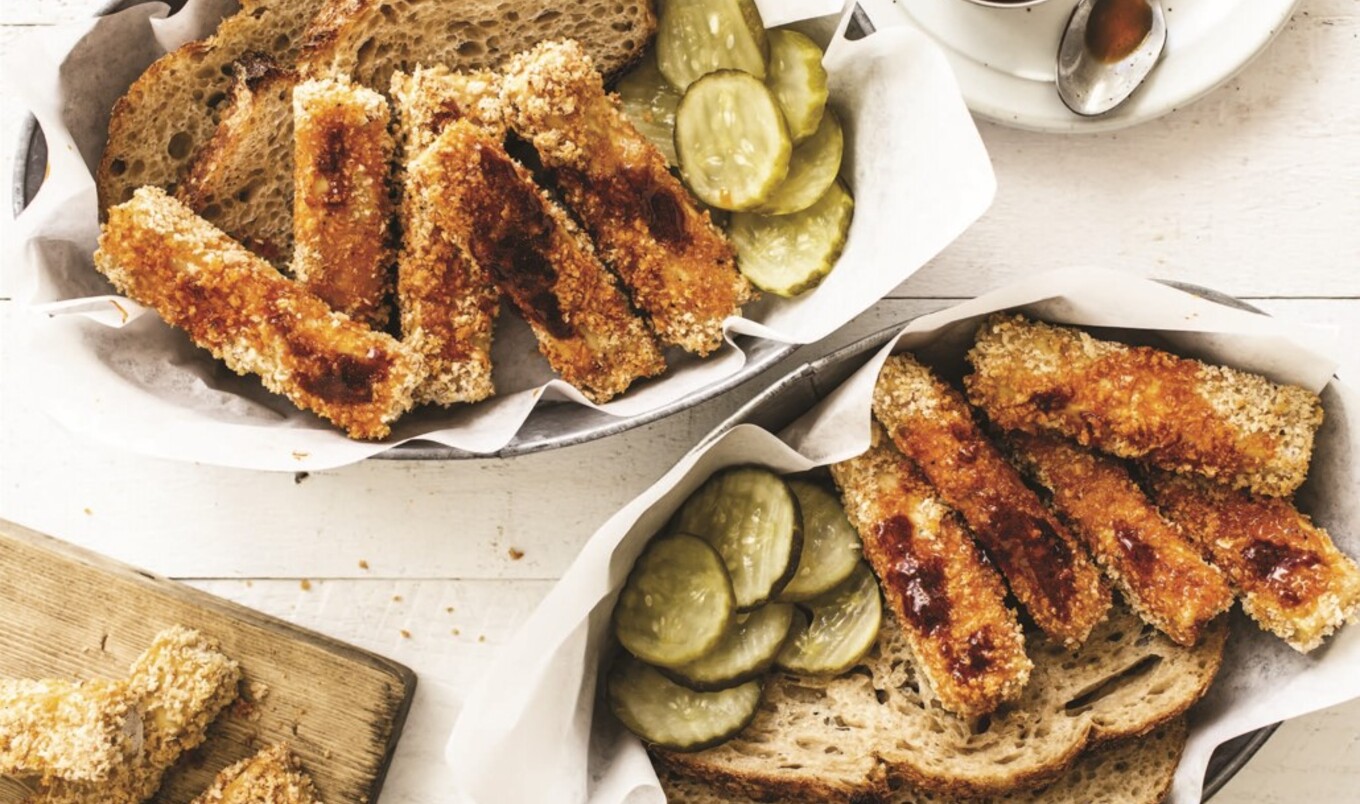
1108 48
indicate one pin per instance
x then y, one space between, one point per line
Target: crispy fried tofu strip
678 267
1293 580
342 153
1136 402
73 730
950 602
271 776
432 97
1162 576
448 300
247 314
1048 571
182 682
544 265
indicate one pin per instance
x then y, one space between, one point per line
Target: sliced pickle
673 716
813 166
788 254
745 653
697 37
798 80
731 140
677 603
841 629
649 104
831 546
751 517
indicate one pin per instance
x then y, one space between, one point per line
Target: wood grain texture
73 614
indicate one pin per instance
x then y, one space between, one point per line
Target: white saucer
1004 57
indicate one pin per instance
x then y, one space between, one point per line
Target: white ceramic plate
1004 57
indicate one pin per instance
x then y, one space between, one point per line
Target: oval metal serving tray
796 392
550 426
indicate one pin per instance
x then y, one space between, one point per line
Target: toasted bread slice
369 40
233 182
172 109
1133 771
880 726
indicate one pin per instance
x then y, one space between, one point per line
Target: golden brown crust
1292 578
182 682
342 207
272 776
448 302
1136 402
1047 570
950 602
1161 575
430 98
72 730
245 313
543 265
679 268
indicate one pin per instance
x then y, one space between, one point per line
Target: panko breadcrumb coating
1161 575
73 730
678 267
272 776
1046 568
543 264
342 205
181 683
1142 403
247 314
429 98
950 602
1292 578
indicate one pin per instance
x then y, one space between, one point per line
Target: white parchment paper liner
528 727
111 369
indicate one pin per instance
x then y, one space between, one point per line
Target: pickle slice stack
706 611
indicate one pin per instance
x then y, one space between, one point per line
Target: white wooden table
1254 191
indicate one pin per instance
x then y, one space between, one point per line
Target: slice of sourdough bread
235 181
171 110
1133 771
880 727
371 39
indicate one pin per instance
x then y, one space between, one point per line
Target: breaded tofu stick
448 301
678 267
342 155
1046 568
182 682
543 264
1136 402
1163 577
73 730
951 603
250 316
1292 578
271 776
430 98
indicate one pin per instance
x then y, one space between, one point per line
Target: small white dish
1004 57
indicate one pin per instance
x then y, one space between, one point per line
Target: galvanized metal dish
552 425
796 392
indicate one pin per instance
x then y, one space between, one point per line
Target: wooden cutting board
66 612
